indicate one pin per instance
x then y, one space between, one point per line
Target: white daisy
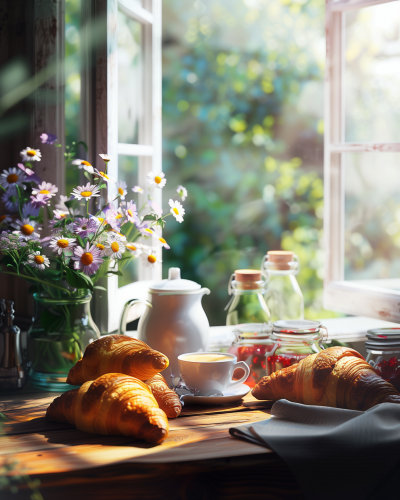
134 248
114 246
46 188
122 189
177 210
149 257
62 244
145 230
38 261
60 214
85 192
137 189
182 192
105 158
156 179
83 164
26 228
160 241
29 154
103 175
12 177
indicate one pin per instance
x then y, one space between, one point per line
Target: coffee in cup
210 372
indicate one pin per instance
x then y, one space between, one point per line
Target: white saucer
229 396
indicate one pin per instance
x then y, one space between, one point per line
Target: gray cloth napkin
334 453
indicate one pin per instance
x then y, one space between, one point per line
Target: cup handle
240 364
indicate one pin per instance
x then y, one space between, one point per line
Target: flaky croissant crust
113 404
338 377
166 398
117 354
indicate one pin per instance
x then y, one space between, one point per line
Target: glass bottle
294 340
383 353
247 304
283 295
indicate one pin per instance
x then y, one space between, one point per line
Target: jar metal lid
383 333
380 346
296 326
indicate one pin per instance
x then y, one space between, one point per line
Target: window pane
72 83
128 172
372 76
372 216
130 93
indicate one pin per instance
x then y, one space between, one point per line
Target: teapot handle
125 312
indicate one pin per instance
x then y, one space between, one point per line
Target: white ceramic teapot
174 321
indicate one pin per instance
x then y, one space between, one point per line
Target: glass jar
252 345
293 341
383 353
283 295
247 304
62 328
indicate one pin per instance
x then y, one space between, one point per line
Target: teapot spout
205 291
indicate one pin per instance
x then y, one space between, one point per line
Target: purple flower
29 210
87 259
40 200
84 227
32 175
131 213
48 138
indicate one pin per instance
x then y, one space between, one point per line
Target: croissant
338 377
117 354
113 404
167 399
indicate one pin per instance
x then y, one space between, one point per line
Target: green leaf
150 217
117 273
80 240
83 144
87 175
101 186
98 287
78 279
71 203
161 222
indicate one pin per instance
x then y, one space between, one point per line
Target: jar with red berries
292 341
383 353
252 346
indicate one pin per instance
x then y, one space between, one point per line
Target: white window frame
351 297
108 305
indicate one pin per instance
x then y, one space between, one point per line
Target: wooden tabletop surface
63 457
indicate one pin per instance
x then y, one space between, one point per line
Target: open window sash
344 291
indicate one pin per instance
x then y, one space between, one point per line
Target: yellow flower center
118 216
131 247
44 191
62 215
39 259
148 231
100 219
100 246
175 210
86 194
12 178
84 162
105 176
27 229
152 259
162 240
114 247
62 243
2 217
87 259
120 191
157 179
31 152
130 212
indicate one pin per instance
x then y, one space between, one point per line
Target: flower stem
37 279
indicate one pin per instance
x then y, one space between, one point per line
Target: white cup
210 377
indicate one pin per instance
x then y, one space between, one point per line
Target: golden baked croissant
167 399
338 377
117 354
114 404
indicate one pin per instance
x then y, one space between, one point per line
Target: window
362 157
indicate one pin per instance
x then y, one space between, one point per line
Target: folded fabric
334 453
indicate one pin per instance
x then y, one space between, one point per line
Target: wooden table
198 460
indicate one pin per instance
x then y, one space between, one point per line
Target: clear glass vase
62 328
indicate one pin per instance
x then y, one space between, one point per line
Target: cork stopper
280 259
245 275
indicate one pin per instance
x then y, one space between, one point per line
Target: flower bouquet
63 246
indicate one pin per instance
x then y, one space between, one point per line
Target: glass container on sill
383 353
294 340
252 346
283 295
247 304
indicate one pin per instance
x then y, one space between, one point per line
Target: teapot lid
174 283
